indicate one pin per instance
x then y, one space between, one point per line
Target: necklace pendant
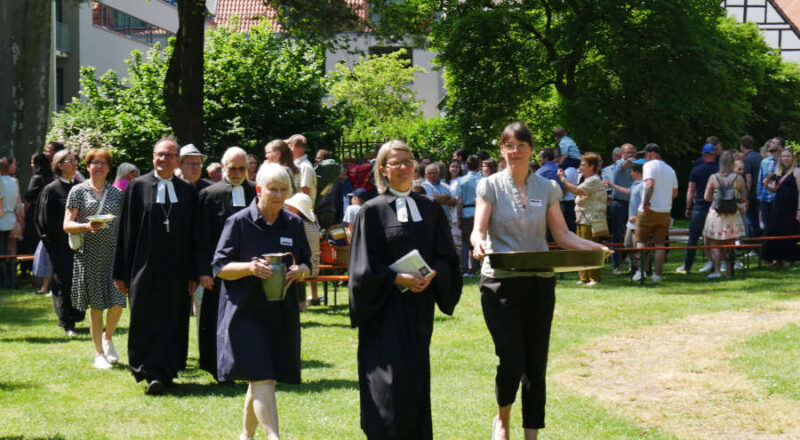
166 223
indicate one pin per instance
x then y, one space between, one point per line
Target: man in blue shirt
466 193
696 205
620 179
548 168
569 154
768 167
752 165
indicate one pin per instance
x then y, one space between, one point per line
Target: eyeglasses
400 163
167 156
69 161
98 163
193 164
238 169
515 147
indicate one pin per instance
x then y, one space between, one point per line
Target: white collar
301 159
402 201
65 180
164 187
237 193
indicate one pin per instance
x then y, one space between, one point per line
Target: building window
121 23
386 50
60 88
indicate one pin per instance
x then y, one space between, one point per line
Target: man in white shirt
653 217
308 178
436 189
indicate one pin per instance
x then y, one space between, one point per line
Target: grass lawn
49 390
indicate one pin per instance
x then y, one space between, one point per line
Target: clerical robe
394 327
155 249
50 226
214 206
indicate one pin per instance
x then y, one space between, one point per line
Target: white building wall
107 50
428 86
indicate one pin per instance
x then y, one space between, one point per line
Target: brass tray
548 261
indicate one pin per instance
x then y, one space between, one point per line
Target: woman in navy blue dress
259 340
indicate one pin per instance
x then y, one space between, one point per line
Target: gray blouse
513 227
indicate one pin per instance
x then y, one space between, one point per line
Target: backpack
359 175
327 174
725 197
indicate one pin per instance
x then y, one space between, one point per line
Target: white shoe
681 270
656 278
707 268
109 350
739 265
70 333
638 276
580 283
101 363
723 267
714 275
591 283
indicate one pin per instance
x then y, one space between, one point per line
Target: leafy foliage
257 88
375 97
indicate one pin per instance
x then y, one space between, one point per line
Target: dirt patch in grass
679 377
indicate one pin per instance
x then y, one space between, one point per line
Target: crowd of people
157 242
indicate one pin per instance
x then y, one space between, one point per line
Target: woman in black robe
394 311
42 175
50 226
259 340
785 218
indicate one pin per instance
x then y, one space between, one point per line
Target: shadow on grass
15 386
227 389
46 339
319 386
313 363
329 310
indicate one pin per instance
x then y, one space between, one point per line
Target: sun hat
302 202
191 150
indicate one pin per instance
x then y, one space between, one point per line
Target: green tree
375 97
258 87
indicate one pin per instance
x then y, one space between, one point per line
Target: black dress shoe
154 388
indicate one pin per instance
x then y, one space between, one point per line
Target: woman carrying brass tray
394 310
513 209
258 339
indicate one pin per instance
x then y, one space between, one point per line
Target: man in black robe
50 226
214 205
395 327
154 265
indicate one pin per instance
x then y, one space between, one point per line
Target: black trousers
8 266
568 209
61 258
518 313
619 220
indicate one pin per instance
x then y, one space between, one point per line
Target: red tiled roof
250 12
790 9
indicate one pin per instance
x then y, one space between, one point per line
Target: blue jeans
753 228
696 223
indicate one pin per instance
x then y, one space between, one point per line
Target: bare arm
569 186
649 187
710 187
483 212
72 226
690 198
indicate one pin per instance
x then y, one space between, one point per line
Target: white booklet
411 262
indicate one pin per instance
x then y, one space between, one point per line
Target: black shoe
154 388
314 302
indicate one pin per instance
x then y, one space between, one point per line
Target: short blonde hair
58 158
380 161
272 172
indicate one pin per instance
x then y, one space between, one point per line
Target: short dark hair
747 142
57 146
326 154
516 130
483 155
652 148
473 163
781 141
548 154
461 153
639 168
560 132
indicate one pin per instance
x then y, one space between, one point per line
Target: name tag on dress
286 241
535 203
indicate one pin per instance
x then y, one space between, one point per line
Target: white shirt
350 213
307 175
10 193
664 181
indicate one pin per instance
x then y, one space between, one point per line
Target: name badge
535 203
286 241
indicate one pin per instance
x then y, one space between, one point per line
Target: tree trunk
183 85
25 48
